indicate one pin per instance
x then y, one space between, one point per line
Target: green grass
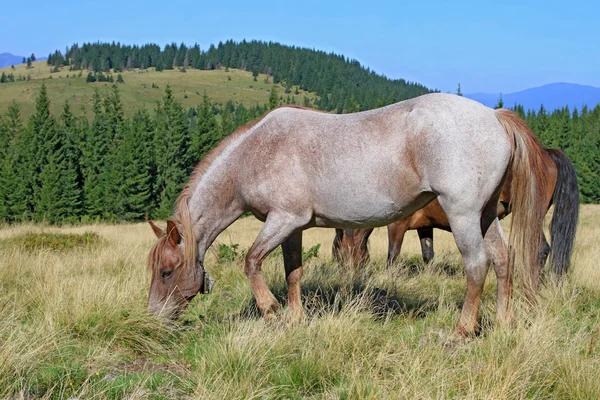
137 91
52 241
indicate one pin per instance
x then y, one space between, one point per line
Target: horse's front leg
292 259
278 228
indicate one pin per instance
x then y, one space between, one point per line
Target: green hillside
221 85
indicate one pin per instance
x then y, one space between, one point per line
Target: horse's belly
367 209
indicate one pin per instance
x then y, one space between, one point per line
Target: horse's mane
182 217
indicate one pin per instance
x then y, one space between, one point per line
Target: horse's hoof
272 313
463 332
295 316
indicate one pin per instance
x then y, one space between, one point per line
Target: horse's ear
173 234
157 231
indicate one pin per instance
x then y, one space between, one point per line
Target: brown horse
351 245
290 170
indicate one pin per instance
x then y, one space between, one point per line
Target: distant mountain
7 59
552 96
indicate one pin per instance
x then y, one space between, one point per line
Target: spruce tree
96 150
227 124
135 189
41 143
60 194
273 99
500 103
172 142
207 133
16 170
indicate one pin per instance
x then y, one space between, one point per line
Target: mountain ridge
7 59
553 96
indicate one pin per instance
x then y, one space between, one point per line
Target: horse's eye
166 274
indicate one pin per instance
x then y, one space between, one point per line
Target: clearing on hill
142 88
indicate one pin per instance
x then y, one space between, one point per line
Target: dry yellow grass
72 324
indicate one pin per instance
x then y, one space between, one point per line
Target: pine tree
500 103
227 124
41 142
273 98
207 133
95 153
71 200
135 189
60 194
114 167
459 91
172 152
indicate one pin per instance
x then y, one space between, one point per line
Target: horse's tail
527 199
566 213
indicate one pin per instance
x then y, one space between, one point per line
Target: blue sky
501 47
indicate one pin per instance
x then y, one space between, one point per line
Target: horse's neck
214 205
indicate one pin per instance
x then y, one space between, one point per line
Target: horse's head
350 246
174 282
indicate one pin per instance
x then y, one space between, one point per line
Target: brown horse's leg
396 233
336 247
277 228
543 256
362 246
292 259
497 247
426 238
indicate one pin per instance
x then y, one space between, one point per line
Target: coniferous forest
105 166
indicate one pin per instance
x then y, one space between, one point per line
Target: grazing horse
291 171
351 245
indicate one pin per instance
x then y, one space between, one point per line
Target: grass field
137 91
72 325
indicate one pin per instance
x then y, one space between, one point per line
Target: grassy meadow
137 91
73 325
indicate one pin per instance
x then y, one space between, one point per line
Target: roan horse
290 170
351 245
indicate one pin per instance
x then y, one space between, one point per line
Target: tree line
109 167
576 132
106 167
341 84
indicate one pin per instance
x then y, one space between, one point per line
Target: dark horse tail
566 213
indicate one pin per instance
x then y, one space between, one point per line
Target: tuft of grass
313 252
53 241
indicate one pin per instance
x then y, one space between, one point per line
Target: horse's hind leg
544 252
497 247
426 239
277 228
396 233
292 259
467 228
